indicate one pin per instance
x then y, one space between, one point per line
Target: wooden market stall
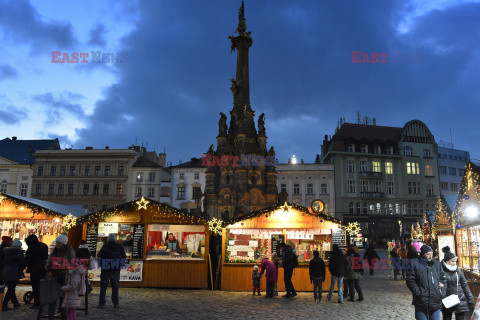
143 227
248 238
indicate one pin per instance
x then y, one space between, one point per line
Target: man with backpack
354 271
112 254
289 262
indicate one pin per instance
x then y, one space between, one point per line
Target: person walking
336 266
83 253
13 265
62 256
353 274
271 274
6 242
36 257
403 258
372 256
111 251
396 263
455 284
289 262
276 262
317 275
426 281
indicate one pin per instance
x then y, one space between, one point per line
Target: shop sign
284 219
162 219
107 228
133 272
359 235
125 218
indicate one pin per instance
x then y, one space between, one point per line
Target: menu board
338 237
138 237
92 234
276 240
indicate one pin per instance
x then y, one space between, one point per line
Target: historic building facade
149 179
239 185
385 177
451 168
188 185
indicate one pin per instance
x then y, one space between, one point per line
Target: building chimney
107 147
162 159
14 138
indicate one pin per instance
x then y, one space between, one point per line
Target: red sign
359 235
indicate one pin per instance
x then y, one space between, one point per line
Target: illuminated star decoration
286 207
215 226
69 221
2 198
142 203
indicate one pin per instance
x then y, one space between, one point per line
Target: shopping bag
451 301
48 290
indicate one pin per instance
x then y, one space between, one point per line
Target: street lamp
471 211
294 160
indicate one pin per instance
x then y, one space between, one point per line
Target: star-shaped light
142 203
2 198
215 226
286 207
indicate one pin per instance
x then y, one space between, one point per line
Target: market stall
166 247
248 238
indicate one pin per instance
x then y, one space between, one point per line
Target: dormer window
389 150
350 147
377 150
407 151
364 148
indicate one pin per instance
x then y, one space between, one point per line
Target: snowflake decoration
353 228
142 203
69 221
215 226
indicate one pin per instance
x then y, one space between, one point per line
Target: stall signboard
124 227
277 239
105 228
338 237
138 240
124 217
92 234
133 272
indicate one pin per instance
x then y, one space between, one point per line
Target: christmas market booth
250 237
166 247
22 216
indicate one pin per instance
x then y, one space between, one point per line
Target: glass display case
468 240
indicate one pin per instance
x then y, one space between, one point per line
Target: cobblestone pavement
384 299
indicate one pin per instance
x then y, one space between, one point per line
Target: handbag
452 300
48 290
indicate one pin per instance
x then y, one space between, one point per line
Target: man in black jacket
426 282
337 265
6 242
36 257
317 275
288 263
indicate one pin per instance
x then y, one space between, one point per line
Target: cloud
97 35
23 24
11 115
60 103
7 71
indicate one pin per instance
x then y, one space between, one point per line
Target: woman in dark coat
456 284
12 272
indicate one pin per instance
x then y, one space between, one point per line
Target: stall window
175 241
124 234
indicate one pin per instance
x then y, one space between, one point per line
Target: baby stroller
28 297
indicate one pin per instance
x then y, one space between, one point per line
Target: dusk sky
170 91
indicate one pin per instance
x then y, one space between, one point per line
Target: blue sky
176 80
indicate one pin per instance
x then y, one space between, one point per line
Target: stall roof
276 207
62 209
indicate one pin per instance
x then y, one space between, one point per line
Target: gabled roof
21 151
49 207
193 163
143 162
368 132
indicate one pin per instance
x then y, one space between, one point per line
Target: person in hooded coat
271 273
456 284
371 255
6 242
317 275
36 257
12 272
337 265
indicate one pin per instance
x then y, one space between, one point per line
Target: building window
296 188
413 168
53 170
70 189
389 150
409 208
429 189
413 187
87 170
63 169
351 186
86 188
350 166
182 175
350 147
181 193
24 189
378 208
415 209
151 192
427 153
390 208
428 170
364 208
357 208
97 170
390 189
107 170
197 176
444 186
121 170
454 186
94 207
96 188
106 188
377 150
309 188
363 166
363 186
421 208
283 187
40 171
151 177
378 186
397 208
51 189
350 208
407 151
38 189
3 186
61 188
388 167
139 177
364 148
72 170
323 188
119 189
376 166
442 169
461 172
138 192
372 208
452 171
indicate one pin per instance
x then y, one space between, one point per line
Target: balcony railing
375 195
371 174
